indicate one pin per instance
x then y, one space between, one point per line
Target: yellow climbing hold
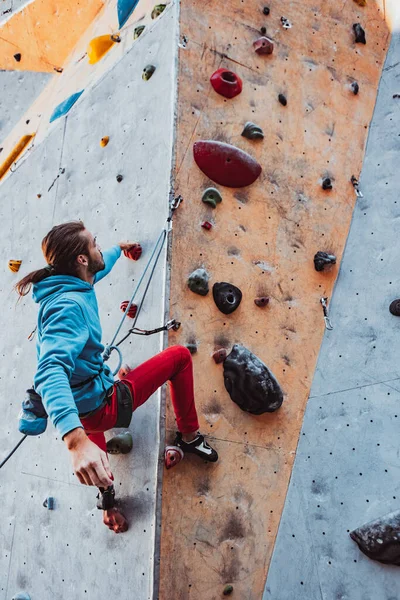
14 265
157 10
104 141
99 46
12 157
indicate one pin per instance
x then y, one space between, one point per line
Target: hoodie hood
53 286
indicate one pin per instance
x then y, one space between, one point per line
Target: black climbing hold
120 444
250 383
198 282
266 10
119 178
327 184
17 56
282 99
355 88
138 31
58 69
379 539
228 589
395 307
192 347
323 259
148 72
252 131
212 197
263 30
227 297
359 34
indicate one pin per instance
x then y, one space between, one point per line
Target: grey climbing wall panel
68 552
18 90
346 471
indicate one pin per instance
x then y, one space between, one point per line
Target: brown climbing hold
263 45
18 56
206 225
119 178
14 265
228 589
104 141
39 195
282 99
359 34
261 301
361 2
219 356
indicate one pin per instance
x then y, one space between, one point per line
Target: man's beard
95 266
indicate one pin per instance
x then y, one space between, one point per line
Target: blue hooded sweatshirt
69 348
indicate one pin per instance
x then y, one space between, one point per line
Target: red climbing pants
173 365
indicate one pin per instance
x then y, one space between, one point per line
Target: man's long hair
60 247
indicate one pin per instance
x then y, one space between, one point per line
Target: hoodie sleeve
64 336
110 257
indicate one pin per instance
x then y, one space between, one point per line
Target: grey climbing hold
148 72
228 589
212 197
18 56
250 383
252 131
323 259
286 24
282 99
327 184
198 282
137 32
120 444
380 539
157 10
119 178
21 596
359 34
266 10
355 88
49 503
227 297
192 347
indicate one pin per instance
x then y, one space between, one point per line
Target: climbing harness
33 417
328 324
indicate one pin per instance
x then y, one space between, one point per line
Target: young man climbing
77 388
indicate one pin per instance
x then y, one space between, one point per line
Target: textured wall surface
220 521
346 469
68 552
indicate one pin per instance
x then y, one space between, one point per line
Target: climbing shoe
198 446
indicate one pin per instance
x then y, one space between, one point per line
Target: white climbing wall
68 552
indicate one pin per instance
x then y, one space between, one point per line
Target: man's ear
82 260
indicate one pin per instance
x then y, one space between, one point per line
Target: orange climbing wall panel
44 33
220 521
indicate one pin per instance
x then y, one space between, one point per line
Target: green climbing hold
212 197
138 31
198 282
228 589
120 444
148 72
157 10
252 131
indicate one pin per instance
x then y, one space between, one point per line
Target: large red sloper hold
226 83
226 164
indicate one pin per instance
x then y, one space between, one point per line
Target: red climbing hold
263 46
219 355
226 83
134 252
132 309
172 456
206 225
226 164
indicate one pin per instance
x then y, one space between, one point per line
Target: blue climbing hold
65 106
125 9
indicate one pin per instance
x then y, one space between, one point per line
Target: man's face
96 262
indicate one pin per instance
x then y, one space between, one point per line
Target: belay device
33 416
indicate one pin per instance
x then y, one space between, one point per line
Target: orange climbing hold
104 141
99 46
16 152
14 265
